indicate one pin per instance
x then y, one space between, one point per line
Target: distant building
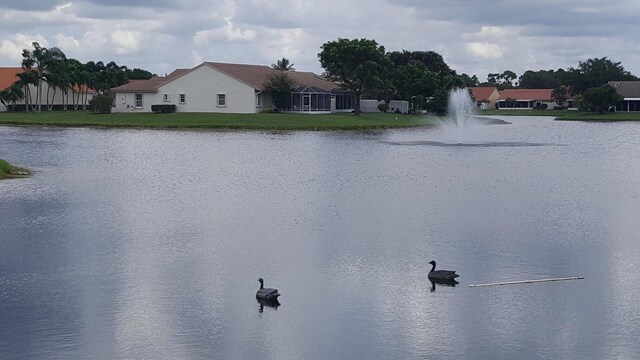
526 99
630 90
485 97
229 88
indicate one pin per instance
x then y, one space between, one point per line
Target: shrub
382 107
163 108
101 103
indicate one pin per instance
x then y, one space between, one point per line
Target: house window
167 97
183 98
139 101
258 100
222 100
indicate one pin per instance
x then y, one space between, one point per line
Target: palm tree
283 65
12 94
39 60
25 80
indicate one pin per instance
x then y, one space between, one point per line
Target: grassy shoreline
8 171
567 115
215 121
272 122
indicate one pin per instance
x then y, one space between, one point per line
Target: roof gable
254 76
627 89
150 85
482 93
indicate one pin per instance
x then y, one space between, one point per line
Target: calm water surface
143 244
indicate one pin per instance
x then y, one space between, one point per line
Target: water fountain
460 126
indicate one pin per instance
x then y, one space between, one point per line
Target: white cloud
68 43
166 34
125 41
493 32
196 59
12 47
228 33
484 50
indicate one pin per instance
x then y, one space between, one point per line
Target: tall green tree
433 61
595 73
502 80
469 81
358 65
280 85
542 79
283 65
560 94
25 80
600 98
439 103
39 60
11 95
138 74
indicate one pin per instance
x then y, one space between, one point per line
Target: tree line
363 67
360 66
71 77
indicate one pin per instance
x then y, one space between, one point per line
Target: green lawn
567 115
346 121
217 121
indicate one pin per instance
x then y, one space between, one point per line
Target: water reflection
144 244
470 144
450 283
273 304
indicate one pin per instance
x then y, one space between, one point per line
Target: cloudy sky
474 37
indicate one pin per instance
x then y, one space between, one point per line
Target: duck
441 275
267 294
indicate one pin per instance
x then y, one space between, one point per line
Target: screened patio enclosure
310 99
315 100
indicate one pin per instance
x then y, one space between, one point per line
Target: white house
228 88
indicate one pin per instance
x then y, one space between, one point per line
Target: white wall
58 98
201 88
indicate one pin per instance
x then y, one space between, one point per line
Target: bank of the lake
568 115
345 121
287 122
8 171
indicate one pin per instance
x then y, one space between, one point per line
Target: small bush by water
9 171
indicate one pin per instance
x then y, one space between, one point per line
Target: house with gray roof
229 88
630 90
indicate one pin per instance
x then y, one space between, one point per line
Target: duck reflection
451 283
268 303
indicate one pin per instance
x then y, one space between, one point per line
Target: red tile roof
252 75
9 75
526 94
482 93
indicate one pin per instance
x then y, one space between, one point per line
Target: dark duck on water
441 275
267 294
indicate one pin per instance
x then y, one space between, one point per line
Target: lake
148 244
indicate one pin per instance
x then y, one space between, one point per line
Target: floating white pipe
528 281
